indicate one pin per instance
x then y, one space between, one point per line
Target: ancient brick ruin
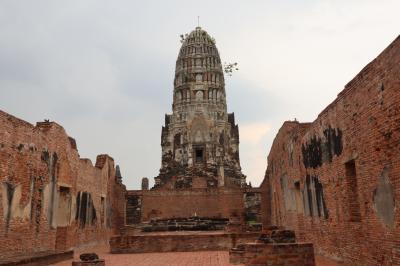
200 200
200 172
51 199
330 189
199 139
335 181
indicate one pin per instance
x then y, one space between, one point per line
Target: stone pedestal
89 263
89 259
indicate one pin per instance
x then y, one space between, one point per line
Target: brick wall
172 242
336 180
209 202
42 180
133 207
276 254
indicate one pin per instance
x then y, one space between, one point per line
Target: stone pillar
221 176
118 173
145 183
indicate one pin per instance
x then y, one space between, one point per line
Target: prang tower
200 140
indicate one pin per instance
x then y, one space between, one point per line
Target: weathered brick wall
116 209
336 180
252 205
143 205
133 207
209 202
173 242
41 178
277 254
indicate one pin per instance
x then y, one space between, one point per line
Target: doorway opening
199 155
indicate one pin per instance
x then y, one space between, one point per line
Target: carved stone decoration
201 113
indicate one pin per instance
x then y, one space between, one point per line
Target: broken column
145 183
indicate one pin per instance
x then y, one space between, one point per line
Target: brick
41 175
335 181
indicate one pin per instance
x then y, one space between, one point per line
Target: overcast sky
104 69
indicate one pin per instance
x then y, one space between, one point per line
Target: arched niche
199 95
178 96
199 77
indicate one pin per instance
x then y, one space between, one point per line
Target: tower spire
199 139
198 21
